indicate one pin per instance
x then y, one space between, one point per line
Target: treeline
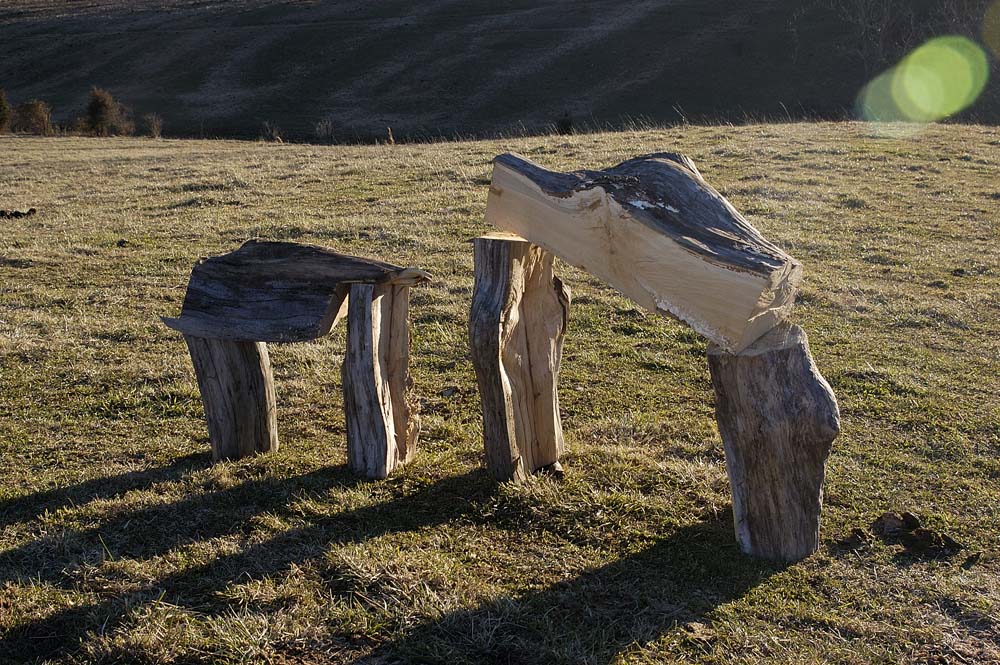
103 116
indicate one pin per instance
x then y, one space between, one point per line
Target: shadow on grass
591 618
598 615
154 530
28 507
158 530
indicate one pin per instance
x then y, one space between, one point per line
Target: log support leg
516 328
382 426
778 418
237 390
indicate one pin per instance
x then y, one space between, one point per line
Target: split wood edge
655 230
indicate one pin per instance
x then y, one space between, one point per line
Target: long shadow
28 507
598 615
591 618
62 632
156 529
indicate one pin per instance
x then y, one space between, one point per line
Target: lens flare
937 80
876 102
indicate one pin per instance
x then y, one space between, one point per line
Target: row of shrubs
104 116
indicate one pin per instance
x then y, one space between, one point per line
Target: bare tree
154 125
106 116
34 117
325 130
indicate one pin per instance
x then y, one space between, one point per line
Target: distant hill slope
446 67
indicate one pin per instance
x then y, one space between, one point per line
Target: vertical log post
381 430
237 390
778 418
516 328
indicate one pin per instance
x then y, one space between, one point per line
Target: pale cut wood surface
237 390
516 327
277 291
405 416
778 418
381 425
655 230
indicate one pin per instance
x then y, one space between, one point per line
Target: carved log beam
655 230
277 291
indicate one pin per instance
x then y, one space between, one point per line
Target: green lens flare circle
940 78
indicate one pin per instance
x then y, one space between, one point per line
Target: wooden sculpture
655 230
287 292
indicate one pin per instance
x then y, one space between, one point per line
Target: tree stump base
381 429
516 326
778 418
237 390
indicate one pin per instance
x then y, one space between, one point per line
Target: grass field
121 543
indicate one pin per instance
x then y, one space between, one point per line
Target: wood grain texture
405 416
778 418
382 427
656 231
237 390
516 327
277 291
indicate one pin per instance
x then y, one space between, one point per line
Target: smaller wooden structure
287 292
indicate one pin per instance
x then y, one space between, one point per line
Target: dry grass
121 543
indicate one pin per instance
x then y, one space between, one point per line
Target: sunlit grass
121 543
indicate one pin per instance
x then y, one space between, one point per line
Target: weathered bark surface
286 292
656 231
778 418
277 291
237 390
381 430
516 327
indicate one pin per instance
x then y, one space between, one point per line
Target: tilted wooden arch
654 229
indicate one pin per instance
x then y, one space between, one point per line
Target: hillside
444 67
121 543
